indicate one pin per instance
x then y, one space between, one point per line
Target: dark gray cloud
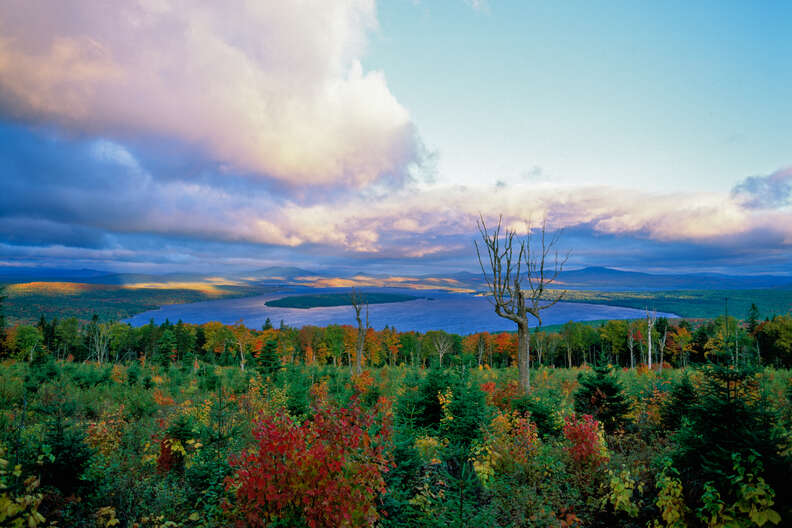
766 192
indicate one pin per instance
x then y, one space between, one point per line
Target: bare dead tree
540 346
518 273
650 321
442 344
662 338
480 349
357 303
100 340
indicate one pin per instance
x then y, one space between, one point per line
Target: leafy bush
586 445
326 472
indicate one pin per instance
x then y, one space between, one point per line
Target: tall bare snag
518 272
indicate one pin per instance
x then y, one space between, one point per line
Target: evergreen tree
730 418
601 395
681 399
752 321
420 405
70 458
200 341
268 360
185 342
464 414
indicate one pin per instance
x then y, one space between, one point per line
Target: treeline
672 343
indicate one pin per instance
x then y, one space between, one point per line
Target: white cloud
275 88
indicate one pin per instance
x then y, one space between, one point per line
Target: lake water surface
452 312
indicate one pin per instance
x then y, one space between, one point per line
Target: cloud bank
272 88
100 196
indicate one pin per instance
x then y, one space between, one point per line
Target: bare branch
518 277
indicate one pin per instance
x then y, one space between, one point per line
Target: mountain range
589 278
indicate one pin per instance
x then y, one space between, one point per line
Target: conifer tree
681 399
730 418
601 395
268 360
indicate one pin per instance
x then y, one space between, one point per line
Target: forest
104 424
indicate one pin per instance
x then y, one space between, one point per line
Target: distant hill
13 274
276 274
590 278
609 279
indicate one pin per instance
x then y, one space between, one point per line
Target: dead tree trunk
631 347
650 321
661 346
517 278
524 354
100 340
442 345
357 304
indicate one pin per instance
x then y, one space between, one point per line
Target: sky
176 135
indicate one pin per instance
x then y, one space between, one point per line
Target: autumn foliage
502 396
325 472
586 443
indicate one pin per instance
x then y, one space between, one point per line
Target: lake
453 312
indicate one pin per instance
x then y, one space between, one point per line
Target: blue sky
165 135
664 95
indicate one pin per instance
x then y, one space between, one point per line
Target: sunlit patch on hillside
209 289
222 281
55 288
360 281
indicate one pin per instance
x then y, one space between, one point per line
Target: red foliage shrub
326 472
169 459
586 444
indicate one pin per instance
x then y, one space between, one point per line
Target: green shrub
65 458
601 395
133 373
464 414
297 386
420 404
681 400
730 418
544 411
